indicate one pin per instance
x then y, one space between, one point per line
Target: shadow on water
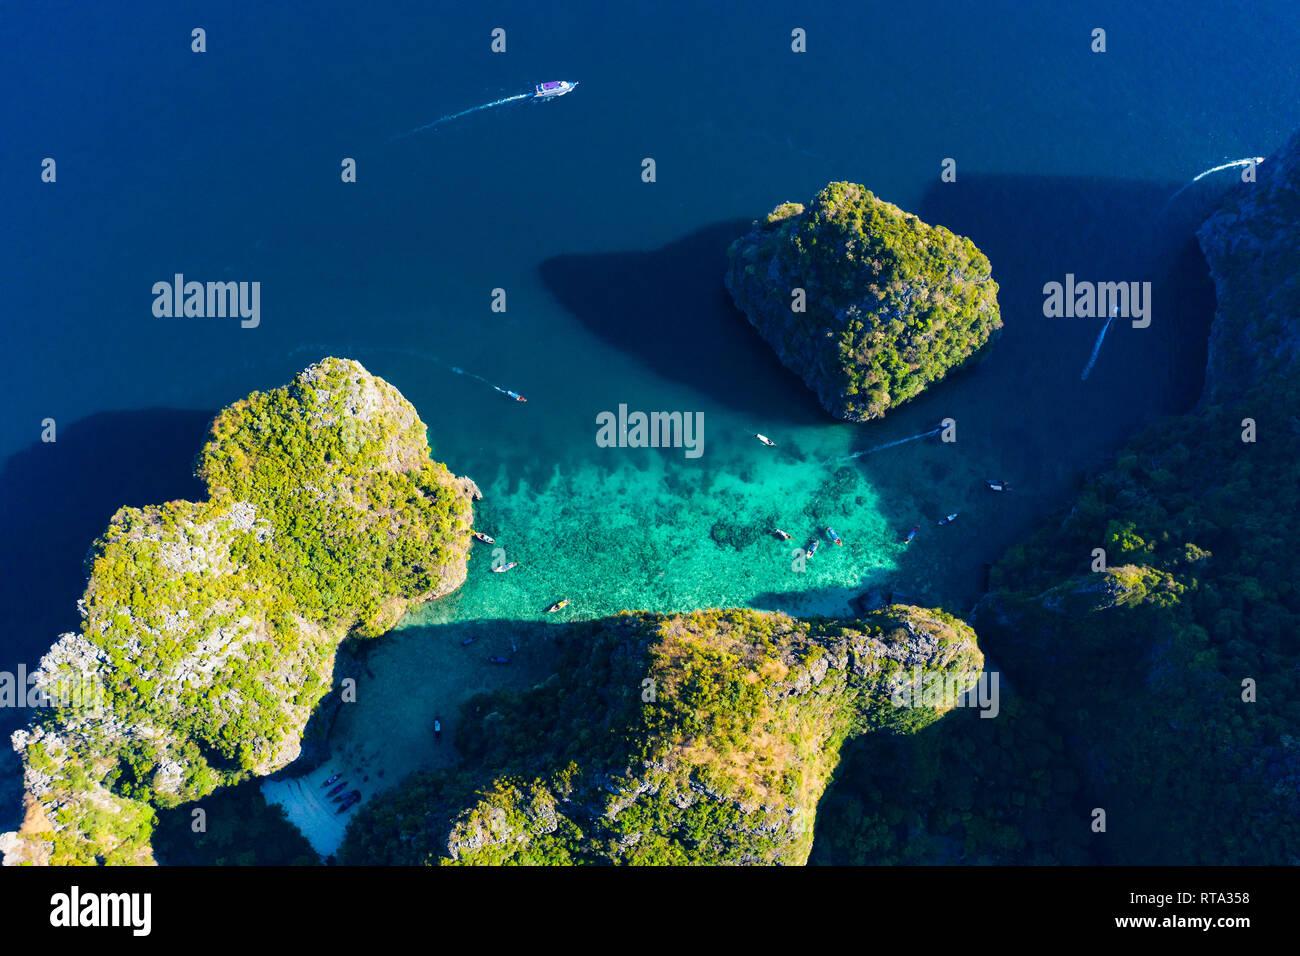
1036 230
670 309
55 499
403 681
464 650
1023 412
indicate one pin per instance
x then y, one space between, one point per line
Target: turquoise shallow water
657 537
226 167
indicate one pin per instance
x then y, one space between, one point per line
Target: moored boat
830 533
812 548
349 801
765 440
558 605
330 780
504 567
948 520
485 538
783 535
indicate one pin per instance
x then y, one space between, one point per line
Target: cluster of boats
346 801
488 539
816 542
994 484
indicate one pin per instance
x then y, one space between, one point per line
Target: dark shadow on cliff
1024 413
970 790
670 309
967 790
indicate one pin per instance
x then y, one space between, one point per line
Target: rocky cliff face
210 628
1254 257
1150 666
866 303
698 738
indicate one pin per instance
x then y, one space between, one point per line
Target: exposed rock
889 304
1255 263
210 629
705 738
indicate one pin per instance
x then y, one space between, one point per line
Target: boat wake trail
411 353
449 118
1097 348
451 368
891 444
1214 169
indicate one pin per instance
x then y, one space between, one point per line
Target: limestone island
1164 654
210 633
210 628
703 738
865 302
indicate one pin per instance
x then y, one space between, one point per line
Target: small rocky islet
863 301
707 737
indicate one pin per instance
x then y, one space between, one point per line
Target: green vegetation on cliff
892 304
210 628
699 738
1161 689
1190 771
1127 683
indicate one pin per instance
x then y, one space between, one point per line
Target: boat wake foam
1214 169
1092 359
901 441
411 353
452 116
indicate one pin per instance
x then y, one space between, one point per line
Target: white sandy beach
414 675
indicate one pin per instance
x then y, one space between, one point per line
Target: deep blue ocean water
226 166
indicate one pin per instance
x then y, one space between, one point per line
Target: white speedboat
554 88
